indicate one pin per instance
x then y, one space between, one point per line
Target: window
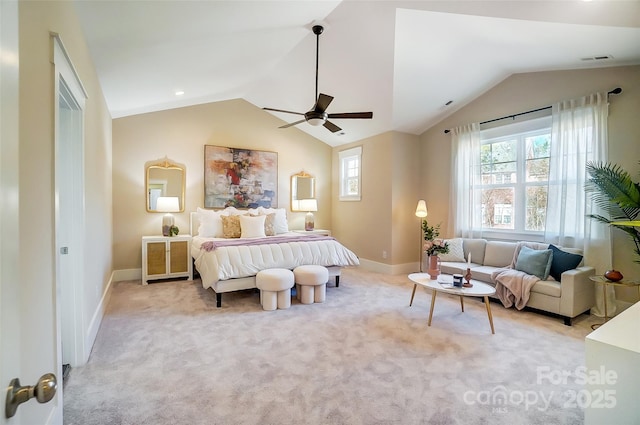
350 174
514 174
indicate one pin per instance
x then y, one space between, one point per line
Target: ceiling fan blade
343 115
331 126
291 124
282 110
323 102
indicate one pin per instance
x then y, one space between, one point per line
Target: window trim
520 129
343 157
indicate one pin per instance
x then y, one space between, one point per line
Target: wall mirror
164 178
303 186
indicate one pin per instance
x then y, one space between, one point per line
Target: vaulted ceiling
402 60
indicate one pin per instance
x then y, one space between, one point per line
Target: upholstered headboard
194 223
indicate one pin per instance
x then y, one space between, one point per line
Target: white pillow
456 252
233 211
280 224
210 223
252 226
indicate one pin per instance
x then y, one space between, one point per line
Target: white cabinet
613 366
166 257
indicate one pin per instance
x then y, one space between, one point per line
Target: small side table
605 283
166 257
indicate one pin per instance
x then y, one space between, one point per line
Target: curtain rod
617 90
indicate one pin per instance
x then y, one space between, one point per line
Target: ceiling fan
318 114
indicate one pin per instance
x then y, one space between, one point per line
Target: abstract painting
241 178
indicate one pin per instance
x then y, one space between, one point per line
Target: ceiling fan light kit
318 116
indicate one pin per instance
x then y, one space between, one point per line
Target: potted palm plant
613 190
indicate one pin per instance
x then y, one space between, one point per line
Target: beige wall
36 92
398 169
180 134
383 220
524 92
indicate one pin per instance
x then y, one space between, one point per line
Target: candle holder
467 277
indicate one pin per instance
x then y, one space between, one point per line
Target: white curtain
578 135
465 166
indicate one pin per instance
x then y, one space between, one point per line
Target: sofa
572 294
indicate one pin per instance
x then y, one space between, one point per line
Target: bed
226 262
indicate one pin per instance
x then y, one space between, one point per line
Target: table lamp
309 205
167 204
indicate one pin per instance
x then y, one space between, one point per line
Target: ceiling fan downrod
317 30
318 115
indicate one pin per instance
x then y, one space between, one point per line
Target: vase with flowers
432 246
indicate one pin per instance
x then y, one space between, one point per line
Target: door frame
69 230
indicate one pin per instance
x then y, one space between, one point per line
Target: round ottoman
311 283
275 288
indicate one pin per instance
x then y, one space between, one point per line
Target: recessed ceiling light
179 92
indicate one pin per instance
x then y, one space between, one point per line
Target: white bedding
234 262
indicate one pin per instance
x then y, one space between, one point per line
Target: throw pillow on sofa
536 262
456 253
562 261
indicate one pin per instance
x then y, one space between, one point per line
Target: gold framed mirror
303 186
164 178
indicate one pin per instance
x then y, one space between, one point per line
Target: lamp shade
308 205
168 204
421 210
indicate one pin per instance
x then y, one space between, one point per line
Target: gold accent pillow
231 226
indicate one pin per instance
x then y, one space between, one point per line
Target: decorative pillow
210 223
269 224
233 211
280 222
456 253
252 226
536 262
231 226
562 261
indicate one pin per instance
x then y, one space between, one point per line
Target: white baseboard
392 269
96 320
127 274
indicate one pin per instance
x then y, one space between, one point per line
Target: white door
20 328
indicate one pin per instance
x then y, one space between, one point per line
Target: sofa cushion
475 247
483 273
453 267
562 261
536 262
498 254
456 252
547 287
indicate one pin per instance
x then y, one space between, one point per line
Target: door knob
43 391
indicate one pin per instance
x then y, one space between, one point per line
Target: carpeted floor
166 355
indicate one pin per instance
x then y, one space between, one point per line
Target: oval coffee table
445 284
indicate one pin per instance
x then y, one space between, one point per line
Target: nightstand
166 257
323 232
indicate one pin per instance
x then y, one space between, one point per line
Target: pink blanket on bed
213 245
